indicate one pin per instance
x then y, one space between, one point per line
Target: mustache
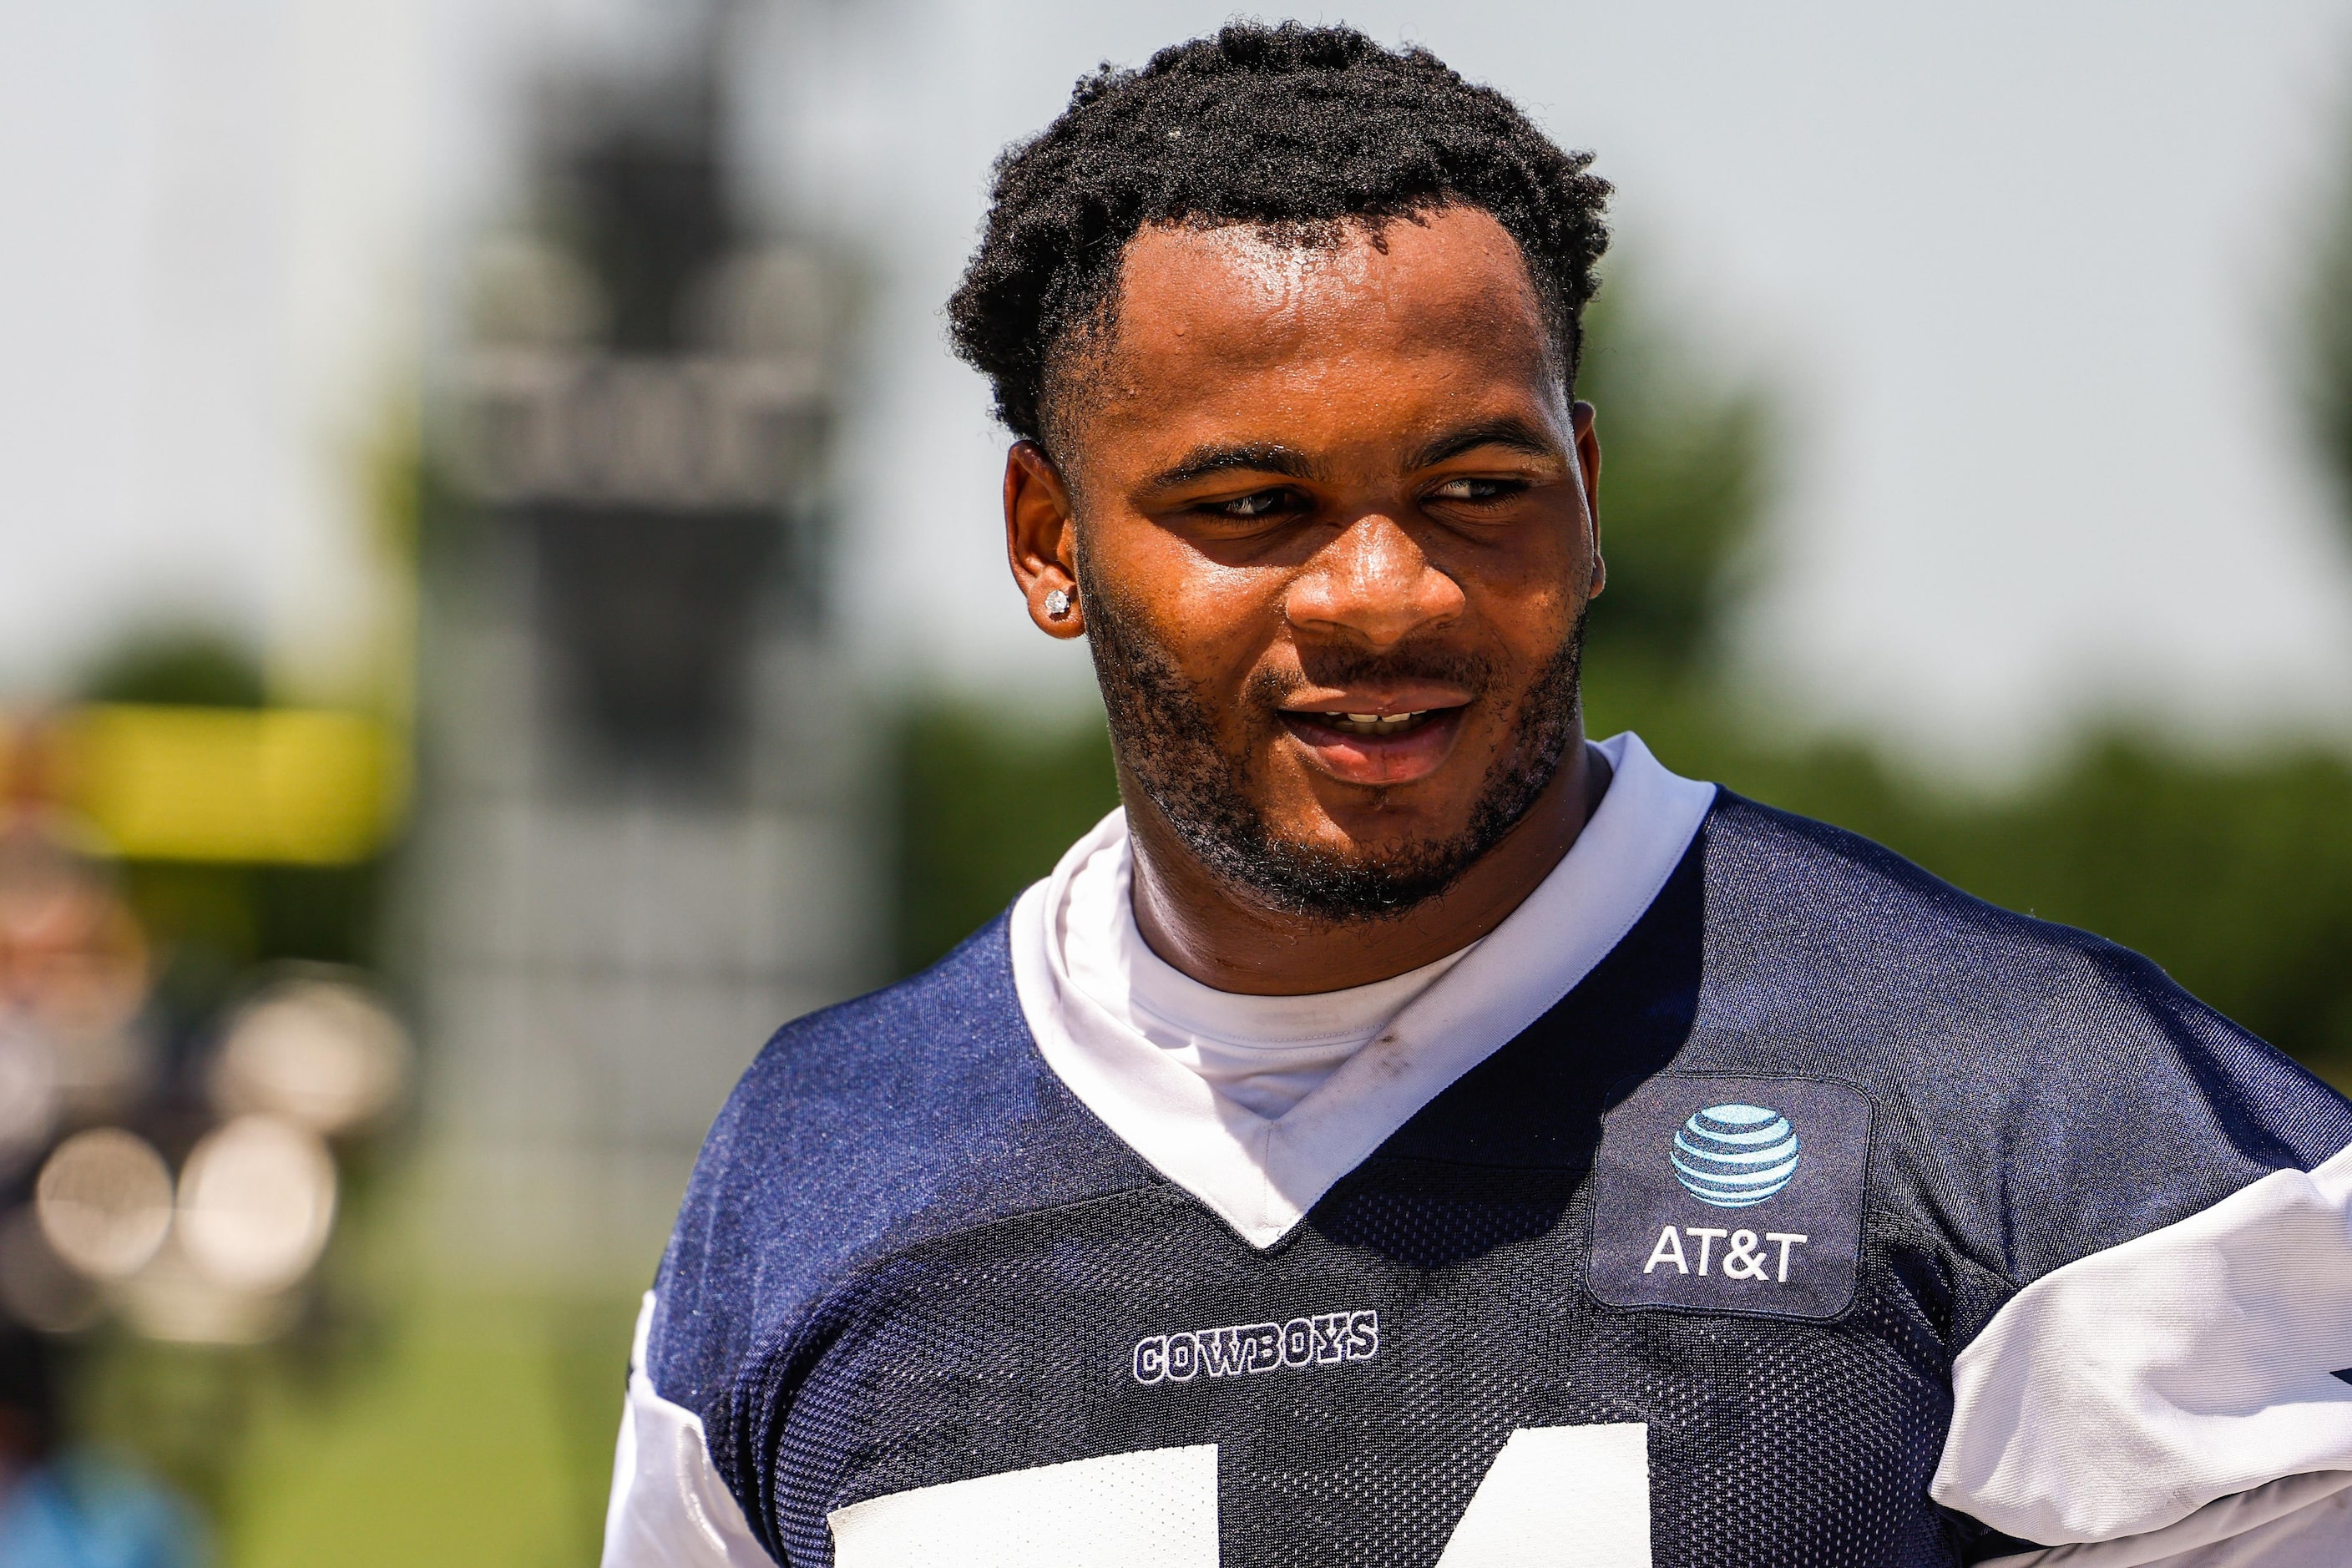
1326 666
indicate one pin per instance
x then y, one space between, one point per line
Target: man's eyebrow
1260 456
1508 430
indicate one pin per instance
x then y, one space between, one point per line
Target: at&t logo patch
1741 1195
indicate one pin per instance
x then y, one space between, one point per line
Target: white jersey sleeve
669 1508
2182 1399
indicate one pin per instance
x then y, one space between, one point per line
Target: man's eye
1256 504
1475 490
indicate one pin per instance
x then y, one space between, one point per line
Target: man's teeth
1372 724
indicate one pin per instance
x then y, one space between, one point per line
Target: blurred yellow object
287 786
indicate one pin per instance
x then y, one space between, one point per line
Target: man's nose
1373 585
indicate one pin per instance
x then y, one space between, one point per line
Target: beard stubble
1166 739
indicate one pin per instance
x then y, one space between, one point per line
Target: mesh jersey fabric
910 1256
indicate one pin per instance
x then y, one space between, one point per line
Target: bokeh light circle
104 1201
257 1201
321 1053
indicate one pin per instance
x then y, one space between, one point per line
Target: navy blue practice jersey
1680 1274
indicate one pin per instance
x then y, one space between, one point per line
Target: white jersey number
1556 1496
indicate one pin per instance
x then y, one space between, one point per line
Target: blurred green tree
985 808
2322 344
185 666
1684 477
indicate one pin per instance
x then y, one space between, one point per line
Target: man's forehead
1363 334
1254 294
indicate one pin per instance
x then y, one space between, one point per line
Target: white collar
1263 1176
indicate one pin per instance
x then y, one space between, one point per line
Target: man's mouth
1373 748
1369 723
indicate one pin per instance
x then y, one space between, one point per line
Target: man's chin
1335 878
1322 849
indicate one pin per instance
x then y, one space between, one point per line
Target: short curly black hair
1297 128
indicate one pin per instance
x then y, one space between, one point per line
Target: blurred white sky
2022 275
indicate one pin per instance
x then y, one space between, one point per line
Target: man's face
1334 539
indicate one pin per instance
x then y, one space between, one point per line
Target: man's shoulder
911 1111
920 1043
2062 1092
1792 899
1828 890
883 1092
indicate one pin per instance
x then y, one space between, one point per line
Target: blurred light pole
645 788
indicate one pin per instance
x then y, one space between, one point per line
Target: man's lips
1376 743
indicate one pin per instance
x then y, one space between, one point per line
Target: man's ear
1041 540
1588 458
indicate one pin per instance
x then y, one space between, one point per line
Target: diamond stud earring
1057 604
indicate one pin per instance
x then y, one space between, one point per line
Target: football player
1409 1132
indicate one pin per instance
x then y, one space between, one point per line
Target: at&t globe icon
1735 1156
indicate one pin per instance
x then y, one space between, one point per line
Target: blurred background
501 605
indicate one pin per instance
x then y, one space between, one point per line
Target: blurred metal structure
642 840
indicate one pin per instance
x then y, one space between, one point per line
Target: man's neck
1203 928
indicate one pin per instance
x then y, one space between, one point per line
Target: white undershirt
1265 1053
1180 1077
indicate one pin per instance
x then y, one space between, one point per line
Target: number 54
1556 1496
